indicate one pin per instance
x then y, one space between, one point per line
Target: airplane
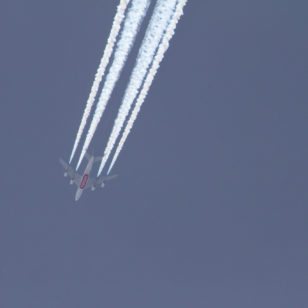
84 181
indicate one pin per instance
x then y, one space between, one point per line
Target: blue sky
210 206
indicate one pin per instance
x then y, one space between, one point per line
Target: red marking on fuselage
84 181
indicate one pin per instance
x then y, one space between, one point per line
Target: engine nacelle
65 174
92 188
71 182
102 185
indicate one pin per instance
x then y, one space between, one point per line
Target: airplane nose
78 194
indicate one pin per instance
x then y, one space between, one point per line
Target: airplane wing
71 172
103 179
94 182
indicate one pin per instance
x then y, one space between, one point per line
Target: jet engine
71 182
65 174
102 185
92 188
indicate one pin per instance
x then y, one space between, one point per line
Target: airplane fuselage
84 179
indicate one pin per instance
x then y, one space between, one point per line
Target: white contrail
116 26
131 26
150 77
159 21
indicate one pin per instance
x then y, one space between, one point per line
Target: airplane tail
98 158
88 156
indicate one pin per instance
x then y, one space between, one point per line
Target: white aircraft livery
84 181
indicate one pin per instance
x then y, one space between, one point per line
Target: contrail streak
116 26
150 77
131 26
158 24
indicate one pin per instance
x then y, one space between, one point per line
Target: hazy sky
210 206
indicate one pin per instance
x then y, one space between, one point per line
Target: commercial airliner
84 181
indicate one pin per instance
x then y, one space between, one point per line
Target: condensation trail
150 77
159 21
135 15
116 26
